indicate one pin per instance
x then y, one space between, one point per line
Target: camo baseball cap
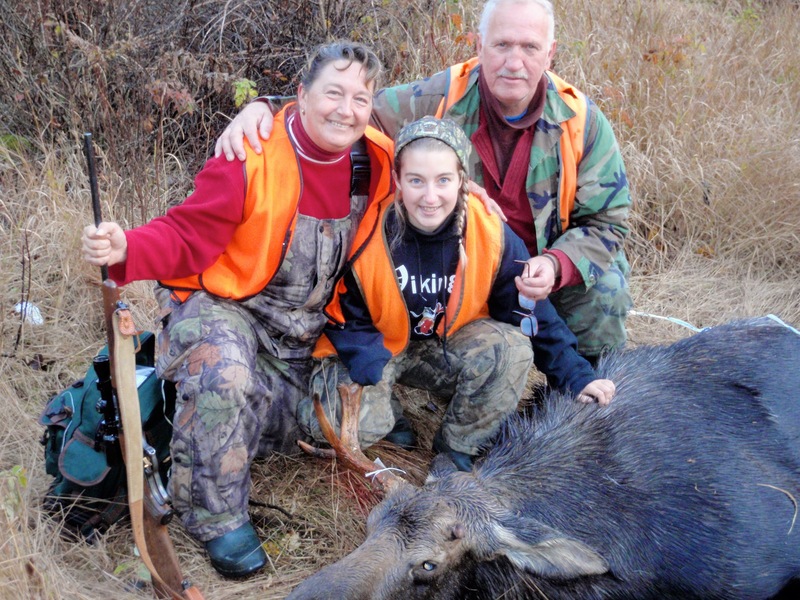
444 130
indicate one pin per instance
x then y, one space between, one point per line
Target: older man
544 153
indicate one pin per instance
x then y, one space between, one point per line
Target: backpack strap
359 159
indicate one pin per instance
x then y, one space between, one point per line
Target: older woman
245 267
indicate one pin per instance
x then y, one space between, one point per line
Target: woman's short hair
352 52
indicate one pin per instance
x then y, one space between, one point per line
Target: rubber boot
238 553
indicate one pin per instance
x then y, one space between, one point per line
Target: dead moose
686 486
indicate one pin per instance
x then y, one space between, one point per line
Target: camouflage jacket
598 223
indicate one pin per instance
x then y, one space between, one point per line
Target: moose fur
686 486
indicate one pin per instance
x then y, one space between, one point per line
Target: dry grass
703 96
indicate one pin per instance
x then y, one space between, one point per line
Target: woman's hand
105 244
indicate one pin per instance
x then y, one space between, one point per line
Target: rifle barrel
88 150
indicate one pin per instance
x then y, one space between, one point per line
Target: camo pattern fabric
482 368
241 368
599 221
443 130
597 316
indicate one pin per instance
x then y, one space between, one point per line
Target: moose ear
441 465
559 556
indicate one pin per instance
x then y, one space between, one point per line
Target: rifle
121 435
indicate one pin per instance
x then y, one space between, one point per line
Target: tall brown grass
703 95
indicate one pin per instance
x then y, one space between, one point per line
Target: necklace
301 152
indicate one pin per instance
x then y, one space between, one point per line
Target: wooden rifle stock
147 518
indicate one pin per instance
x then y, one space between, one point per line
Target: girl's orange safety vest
573 129
483 245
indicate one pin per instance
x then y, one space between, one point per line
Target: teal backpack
89 487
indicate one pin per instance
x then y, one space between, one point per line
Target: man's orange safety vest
573 129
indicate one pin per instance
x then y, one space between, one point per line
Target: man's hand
253 121
482 195
599 390
105 244
538 278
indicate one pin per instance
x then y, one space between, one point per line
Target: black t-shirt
425 267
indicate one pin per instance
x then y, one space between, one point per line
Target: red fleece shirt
191 236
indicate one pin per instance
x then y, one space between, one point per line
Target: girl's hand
254 122
599 390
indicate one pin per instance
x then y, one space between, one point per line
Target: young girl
430 300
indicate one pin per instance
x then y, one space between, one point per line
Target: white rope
693 328
670 319
778 320
383 469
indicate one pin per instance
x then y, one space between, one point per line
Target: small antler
346 448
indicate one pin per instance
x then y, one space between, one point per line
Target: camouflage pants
597 316
489 363
233 400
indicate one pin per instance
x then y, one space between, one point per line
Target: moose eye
425 572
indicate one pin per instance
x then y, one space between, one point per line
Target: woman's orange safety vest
373 267
573 129
259 244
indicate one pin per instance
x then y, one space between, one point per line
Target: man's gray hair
491 5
